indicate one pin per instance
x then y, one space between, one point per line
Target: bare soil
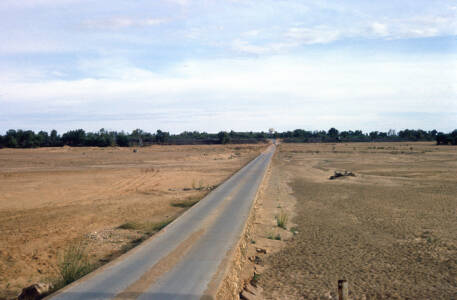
391 230
52 197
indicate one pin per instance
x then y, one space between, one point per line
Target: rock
251 292
260 250
35 291
255 259
245 295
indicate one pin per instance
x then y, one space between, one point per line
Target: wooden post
343 290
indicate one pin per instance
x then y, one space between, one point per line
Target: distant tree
333 132
26 139
10 140
122 140
137 137
223 137
442 139
54 139
374 135
453 137
105 138
392 132
42 139
162 137
74 137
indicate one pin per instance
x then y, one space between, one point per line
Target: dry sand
52 197
391 231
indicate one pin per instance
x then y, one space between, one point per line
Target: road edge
236 268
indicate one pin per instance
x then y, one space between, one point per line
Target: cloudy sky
217 65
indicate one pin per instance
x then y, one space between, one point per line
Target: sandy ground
391 231
52 197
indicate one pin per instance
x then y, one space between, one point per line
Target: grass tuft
130 226
281 220
72 265
150 228
185 203
276 237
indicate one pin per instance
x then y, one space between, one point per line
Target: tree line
103 138
333 135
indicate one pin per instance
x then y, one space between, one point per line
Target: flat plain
51 198
391 230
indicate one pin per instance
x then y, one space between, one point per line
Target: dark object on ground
35 291
339 174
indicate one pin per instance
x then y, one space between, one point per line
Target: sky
179 65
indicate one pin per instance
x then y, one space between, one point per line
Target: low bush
72 265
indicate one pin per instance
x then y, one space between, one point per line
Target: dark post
343 290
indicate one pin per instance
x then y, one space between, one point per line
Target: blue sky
229 64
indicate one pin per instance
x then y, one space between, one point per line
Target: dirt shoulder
52 197
391 230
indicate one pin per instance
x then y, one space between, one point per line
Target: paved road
185 260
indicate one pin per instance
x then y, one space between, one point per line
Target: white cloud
122 22
8 4
402 84
243 94
251 33
416 27
246 47
379 29
180 2
316 35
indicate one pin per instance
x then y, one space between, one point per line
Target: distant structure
271 130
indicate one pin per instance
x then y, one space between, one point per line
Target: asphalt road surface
187 259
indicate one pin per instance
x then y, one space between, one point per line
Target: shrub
130 226
73 265
281 220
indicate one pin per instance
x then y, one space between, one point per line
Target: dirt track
51 196
391 231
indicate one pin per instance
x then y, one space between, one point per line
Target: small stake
343 290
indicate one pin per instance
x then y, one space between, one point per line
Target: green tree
333 132
162 137
74 137
54 139
224 137
122 140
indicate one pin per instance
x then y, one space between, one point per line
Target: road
187 259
